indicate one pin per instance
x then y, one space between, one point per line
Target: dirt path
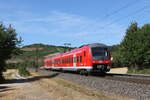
39 87
123 70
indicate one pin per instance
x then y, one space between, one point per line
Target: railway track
134 86
139 79
136 76
131 78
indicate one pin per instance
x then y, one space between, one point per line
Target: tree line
134 49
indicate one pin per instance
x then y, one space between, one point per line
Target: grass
63 88
142 71
81 89
23 71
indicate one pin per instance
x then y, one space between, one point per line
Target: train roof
77 49
94 45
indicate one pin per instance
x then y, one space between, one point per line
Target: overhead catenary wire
133 13
115 12
120 9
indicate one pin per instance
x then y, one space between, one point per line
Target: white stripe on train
88 68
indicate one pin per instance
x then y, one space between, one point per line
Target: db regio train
88 58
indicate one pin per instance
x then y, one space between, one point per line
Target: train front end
101 59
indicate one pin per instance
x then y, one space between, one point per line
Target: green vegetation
22 67
33 55
134 50
40 50
23 71
142 71
8 45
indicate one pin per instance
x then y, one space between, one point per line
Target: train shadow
26 80
99 74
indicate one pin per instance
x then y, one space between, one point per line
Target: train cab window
80 58
84 53
98 51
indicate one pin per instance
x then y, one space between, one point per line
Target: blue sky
73 21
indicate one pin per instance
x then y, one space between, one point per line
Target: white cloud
64 25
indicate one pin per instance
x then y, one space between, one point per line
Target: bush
11 66
23 71
139 71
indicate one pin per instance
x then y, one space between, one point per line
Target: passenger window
71 59
84 53
80 58
77 59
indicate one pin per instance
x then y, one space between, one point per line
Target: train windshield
98 51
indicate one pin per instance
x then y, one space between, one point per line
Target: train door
74 60
52 62
84 58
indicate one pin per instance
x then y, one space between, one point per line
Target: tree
134 50
129 45
144 45
9 44
118 59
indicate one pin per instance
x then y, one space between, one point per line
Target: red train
88 58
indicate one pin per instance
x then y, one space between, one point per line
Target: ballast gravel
112 87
